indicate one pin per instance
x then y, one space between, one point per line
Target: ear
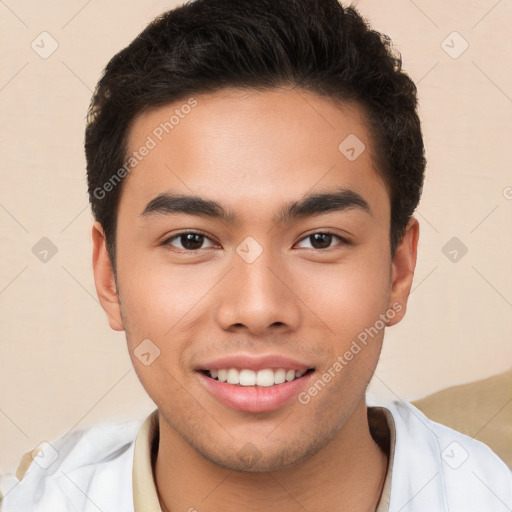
104 278
402 270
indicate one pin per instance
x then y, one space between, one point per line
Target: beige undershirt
145 497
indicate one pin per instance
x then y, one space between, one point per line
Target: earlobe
104 278
402 270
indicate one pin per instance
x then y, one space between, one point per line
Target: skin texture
254 152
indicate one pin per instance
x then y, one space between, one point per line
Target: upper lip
254 362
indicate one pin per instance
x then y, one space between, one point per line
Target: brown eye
189 241
323 240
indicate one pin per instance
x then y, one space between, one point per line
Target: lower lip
253 398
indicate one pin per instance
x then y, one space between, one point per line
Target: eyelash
167 242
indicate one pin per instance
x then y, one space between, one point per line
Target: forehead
243 147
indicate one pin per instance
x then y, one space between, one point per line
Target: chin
253 459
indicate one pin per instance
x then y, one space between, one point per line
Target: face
254 313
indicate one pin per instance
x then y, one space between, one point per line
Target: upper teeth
265 378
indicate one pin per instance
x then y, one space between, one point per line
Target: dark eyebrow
310 205
322 202
193 205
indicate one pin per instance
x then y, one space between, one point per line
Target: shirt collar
145 497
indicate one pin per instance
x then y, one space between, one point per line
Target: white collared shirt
108 468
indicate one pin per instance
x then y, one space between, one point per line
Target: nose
258 297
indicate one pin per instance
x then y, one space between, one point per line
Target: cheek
155 302
156 297
349 296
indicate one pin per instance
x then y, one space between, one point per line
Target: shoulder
455 470
82 470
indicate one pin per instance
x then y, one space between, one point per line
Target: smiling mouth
267 377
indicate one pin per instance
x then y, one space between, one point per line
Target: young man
253 169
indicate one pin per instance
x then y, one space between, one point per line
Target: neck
346 474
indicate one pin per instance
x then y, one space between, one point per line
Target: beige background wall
61 365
